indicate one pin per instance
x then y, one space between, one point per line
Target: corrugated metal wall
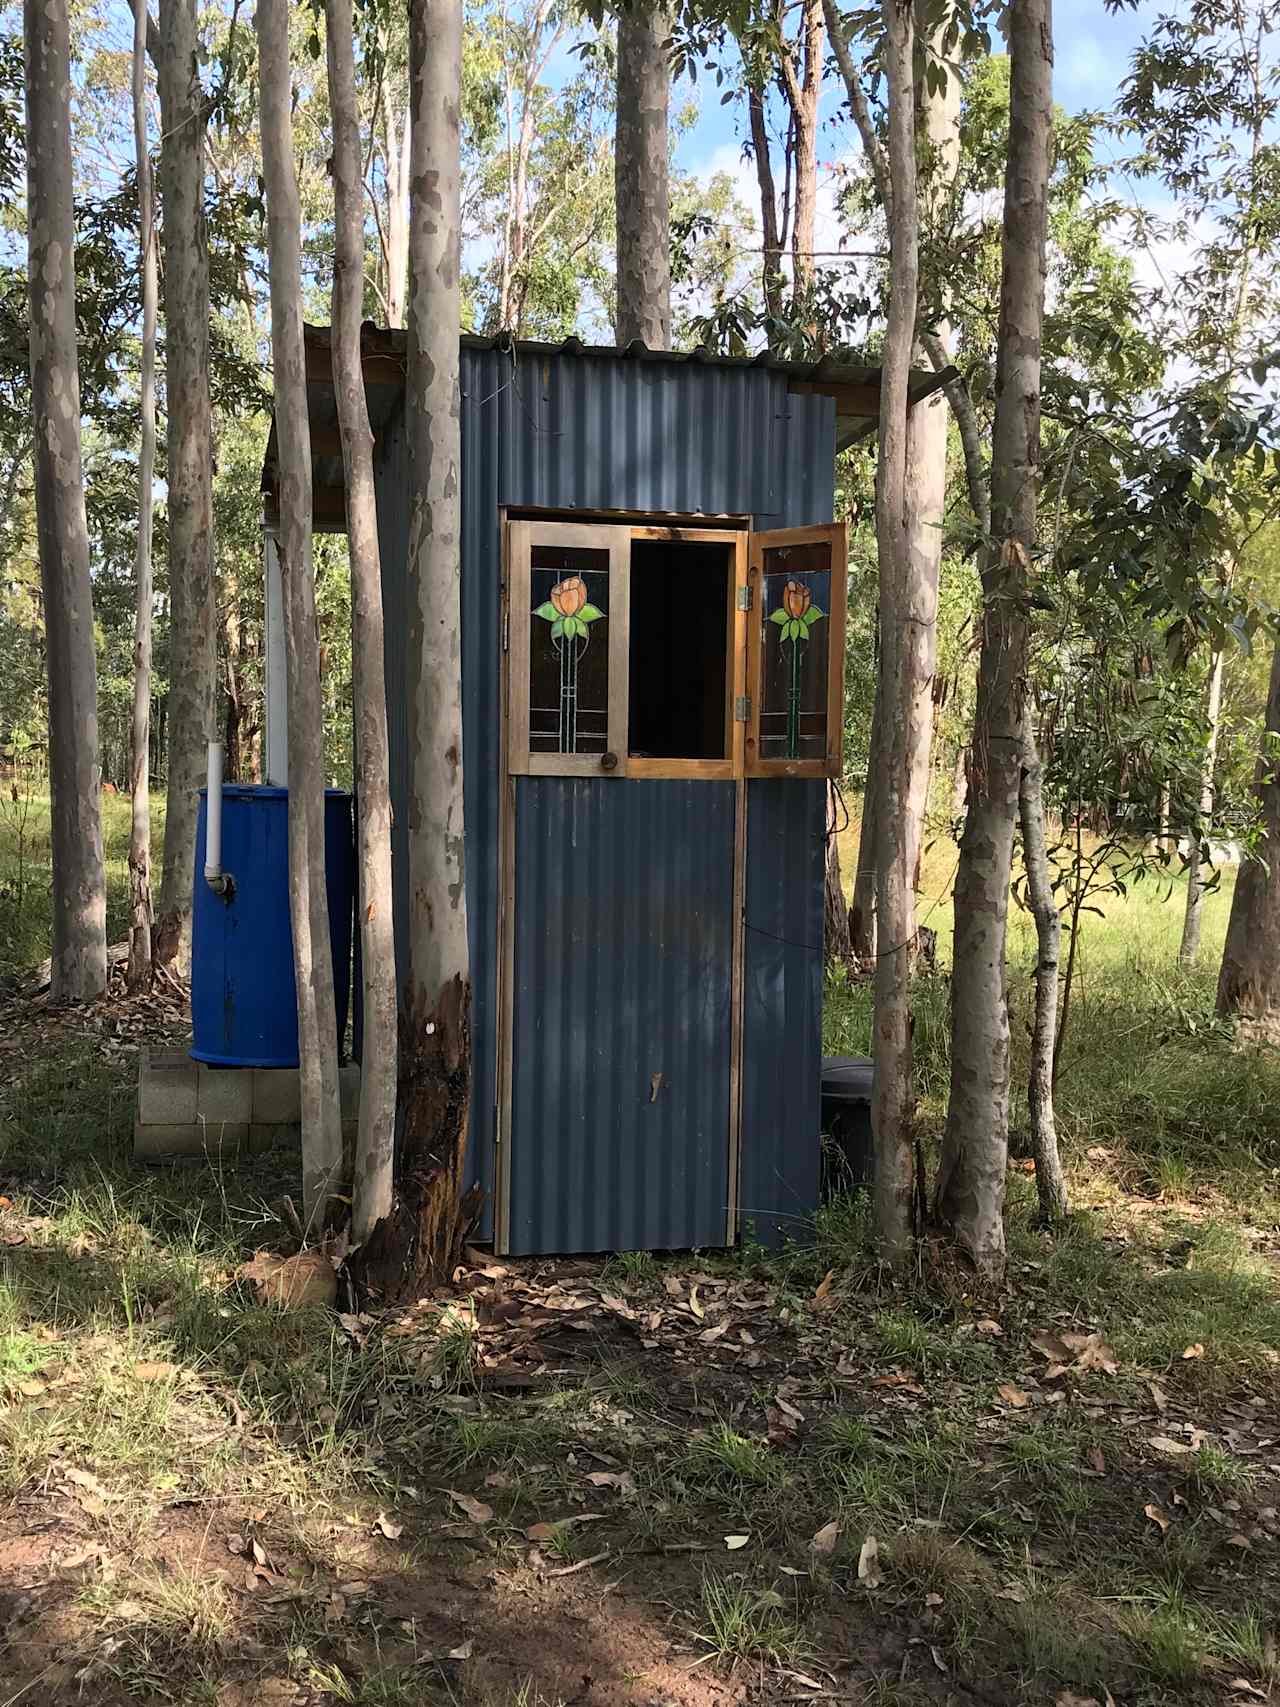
623 1013
575 431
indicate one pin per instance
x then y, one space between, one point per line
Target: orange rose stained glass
568 662
793 688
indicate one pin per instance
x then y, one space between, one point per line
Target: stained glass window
796 616
568 650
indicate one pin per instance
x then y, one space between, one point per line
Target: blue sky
1092 53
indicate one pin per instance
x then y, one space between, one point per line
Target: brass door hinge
742 708
743 600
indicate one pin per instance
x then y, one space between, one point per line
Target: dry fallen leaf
1196 1350
392 1531
154 1371
1096 1460
292 1283
733 1542
1011 1395
991 1329
1165 1443
463 1651
622 1480
824 1542
1014 1592
1158 1517
1241 1541
869 1574
1091 1351
475 1509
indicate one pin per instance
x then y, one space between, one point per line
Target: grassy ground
26 873
688 1480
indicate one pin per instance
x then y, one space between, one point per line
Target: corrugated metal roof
853 386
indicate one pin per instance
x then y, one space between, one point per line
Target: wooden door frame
655 527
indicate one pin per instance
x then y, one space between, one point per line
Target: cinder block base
189 1109
224 1093
221 1142
166 1088
275 1095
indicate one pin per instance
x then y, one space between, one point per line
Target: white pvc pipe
213 820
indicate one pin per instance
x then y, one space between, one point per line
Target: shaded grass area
160 1427
131 1352
26 873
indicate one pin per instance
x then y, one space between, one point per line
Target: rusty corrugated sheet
555 429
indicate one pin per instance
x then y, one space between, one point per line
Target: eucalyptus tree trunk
938 115
1051 1187
193 616
308 901
395 239
971 1181
1193 918
640 176
862 909
938 118
803 88
904 684
835 930
772 237
139 969
371 1191
418 1244
1249 981
79 950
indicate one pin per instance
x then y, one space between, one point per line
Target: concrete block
222 1141
166 1088
349 1088
275 1096
272 1134
224 1093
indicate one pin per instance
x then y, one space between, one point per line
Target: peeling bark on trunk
1192 920
418 1244
971 1182
1051 1187
138 975
904 687
79 958
322 1161
193 616
640 177
1249 981
371 1191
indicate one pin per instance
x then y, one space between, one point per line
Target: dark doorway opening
679 654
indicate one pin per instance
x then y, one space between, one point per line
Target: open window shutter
795 664
567 628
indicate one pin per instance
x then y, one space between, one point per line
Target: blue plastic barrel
244 1005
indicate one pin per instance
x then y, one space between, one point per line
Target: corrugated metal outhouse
652 611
